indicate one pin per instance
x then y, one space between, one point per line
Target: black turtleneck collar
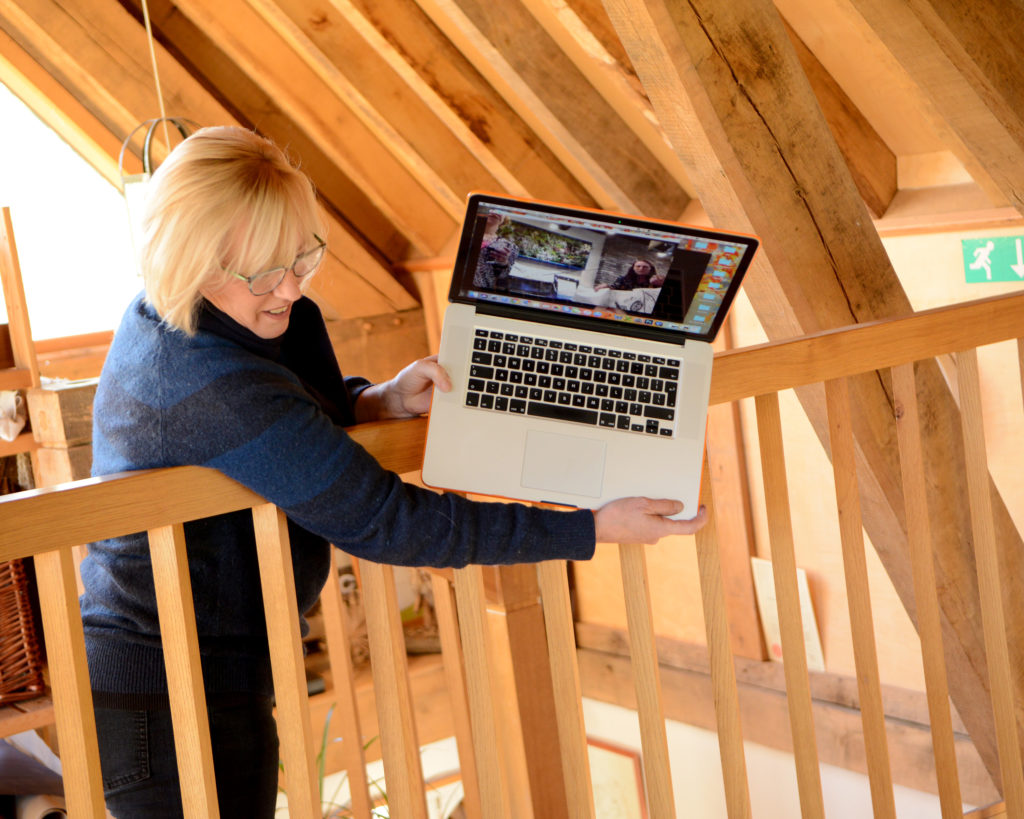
304 348
214 320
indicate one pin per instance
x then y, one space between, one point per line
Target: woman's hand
405 395
643 520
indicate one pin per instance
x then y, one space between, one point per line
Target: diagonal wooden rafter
717 73
607 76
871 162
313 105
77 60
254 107
452 87
965 90
534 75
62 112
101 48
897 106
354 50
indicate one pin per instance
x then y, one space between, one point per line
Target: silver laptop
578 343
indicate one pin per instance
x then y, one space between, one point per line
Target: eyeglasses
303 265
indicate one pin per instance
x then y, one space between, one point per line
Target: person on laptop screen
223 362
498 256
641 273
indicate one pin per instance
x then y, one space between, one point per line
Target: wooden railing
47 523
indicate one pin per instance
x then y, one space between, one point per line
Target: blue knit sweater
269 414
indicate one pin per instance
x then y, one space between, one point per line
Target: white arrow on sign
1019 267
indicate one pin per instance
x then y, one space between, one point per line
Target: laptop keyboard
599 386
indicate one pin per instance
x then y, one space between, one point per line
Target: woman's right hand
643 520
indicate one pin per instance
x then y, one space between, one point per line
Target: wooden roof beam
423 123
80 60
610 80
314 106
62 112
871 162
966 64
110 52
536 77
253 107
456 92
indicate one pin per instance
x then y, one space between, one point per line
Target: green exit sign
996 259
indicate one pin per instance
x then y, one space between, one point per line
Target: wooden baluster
274 555
184 671
644 657
472 608
926 599
565 673
723 674
339 654
858 595
69 678
986 557
794 652
455 675
403 773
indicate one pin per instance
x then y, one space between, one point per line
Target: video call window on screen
532 257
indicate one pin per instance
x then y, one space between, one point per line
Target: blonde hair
225 199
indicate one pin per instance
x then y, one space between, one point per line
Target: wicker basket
21 661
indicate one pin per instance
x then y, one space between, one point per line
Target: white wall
697 774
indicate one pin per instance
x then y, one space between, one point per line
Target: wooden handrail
861 348
64 515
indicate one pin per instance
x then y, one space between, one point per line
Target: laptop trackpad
563 463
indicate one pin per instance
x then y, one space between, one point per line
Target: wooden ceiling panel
618 87
983 39
852 53
64 44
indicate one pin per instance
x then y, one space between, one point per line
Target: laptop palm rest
563 463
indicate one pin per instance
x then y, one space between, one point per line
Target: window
71 227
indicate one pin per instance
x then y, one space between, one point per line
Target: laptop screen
588 268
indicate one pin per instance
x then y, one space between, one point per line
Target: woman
497 257
223 363
640 274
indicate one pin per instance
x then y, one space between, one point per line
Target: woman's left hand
405 395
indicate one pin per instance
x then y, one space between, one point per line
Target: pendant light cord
156 72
